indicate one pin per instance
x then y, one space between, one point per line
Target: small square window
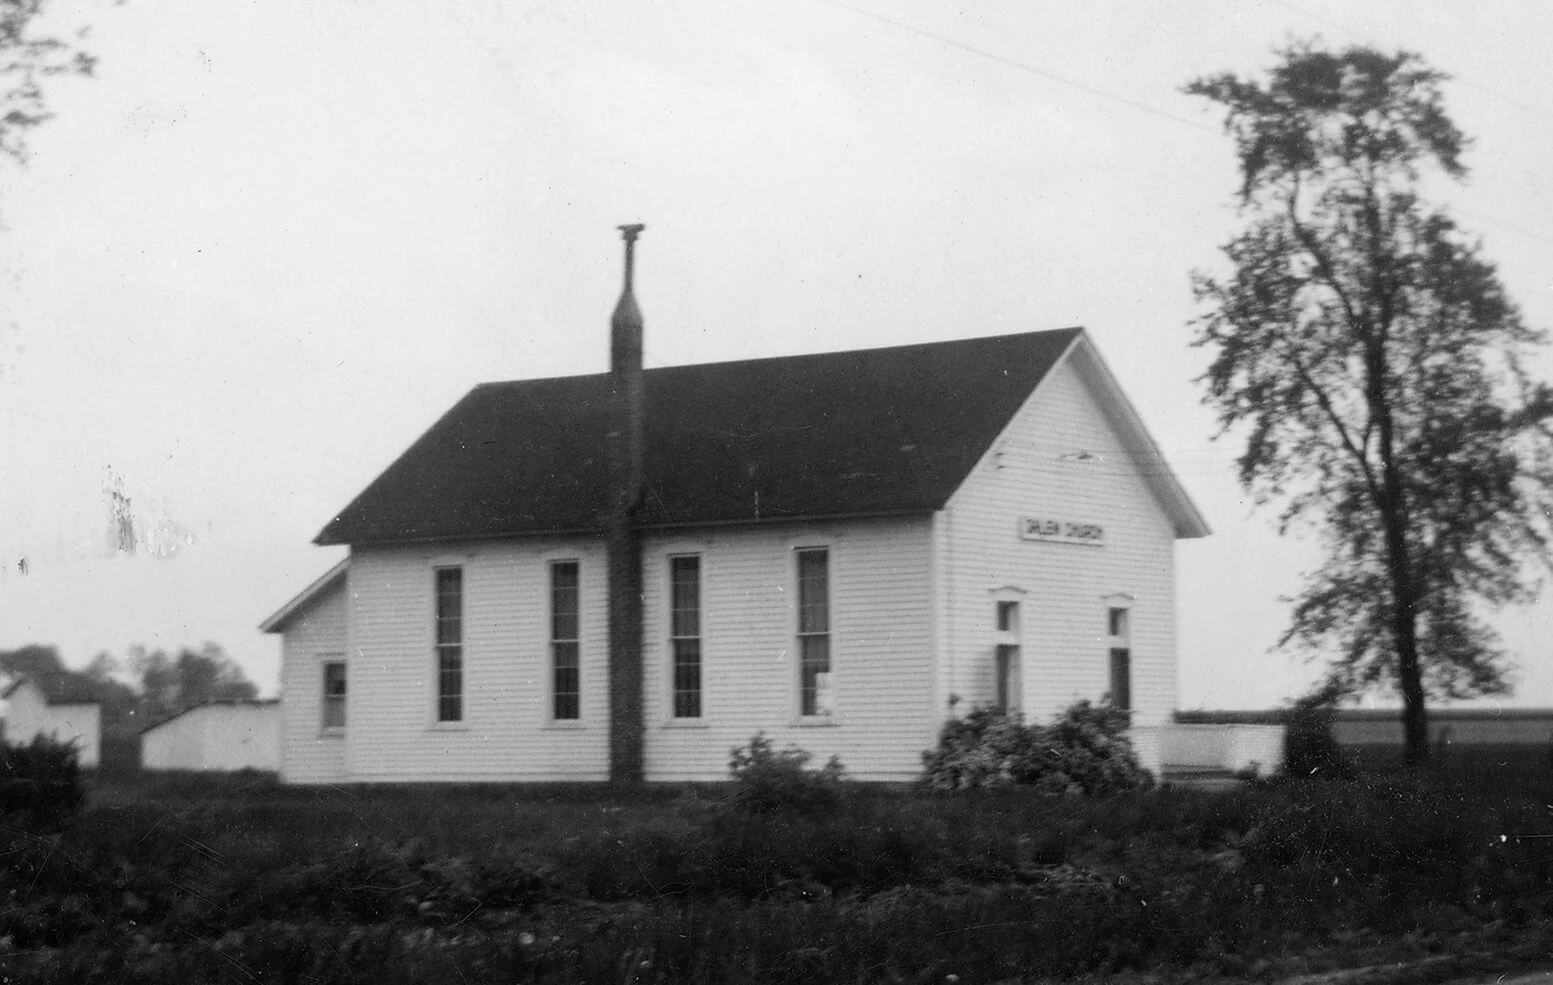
1118 622
1008 617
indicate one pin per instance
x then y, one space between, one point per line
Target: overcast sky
272 242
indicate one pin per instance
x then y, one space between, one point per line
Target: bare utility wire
1025 67
1154 111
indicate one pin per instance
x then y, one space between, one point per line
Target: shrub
1309 747
1085 751
1092 751
769 780
984 749
40 781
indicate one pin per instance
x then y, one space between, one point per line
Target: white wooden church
624 575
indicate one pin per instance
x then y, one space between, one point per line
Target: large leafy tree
1371 357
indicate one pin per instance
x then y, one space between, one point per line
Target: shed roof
251 703
865 432
60 688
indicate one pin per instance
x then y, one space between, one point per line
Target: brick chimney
624 541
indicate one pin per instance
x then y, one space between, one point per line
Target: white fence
1222 747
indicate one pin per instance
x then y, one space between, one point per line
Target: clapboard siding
315 634
1064 590
506 732
881 653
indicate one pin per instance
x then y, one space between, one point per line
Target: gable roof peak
65 687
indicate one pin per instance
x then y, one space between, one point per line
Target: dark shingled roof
877 431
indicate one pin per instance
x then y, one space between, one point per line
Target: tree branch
1313 247
1325 402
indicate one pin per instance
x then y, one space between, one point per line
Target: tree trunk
1404 630
1404 613
1404 634
1392 504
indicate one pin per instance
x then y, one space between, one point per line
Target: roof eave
803 518
645 527
1186 519
463 538
277 622
253 703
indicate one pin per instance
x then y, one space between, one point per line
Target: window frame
804 637
557 644
681 641
326 700
1118 628
1006 615
445 651
1008 655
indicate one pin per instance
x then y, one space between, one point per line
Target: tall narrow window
814 683
1120 633
450 644
334 694
1008 679
685 634
565 665
1010 697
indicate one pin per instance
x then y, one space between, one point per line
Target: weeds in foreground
767 780
571 885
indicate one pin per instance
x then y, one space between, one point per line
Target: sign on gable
1061 531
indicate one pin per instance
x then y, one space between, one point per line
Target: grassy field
237 879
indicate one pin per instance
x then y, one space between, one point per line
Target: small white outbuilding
223 736
59 706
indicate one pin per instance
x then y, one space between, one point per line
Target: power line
1024 67
1154 111
1504 225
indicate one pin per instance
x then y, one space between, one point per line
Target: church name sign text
1061 531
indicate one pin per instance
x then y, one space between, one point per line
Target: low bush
769 780
1309 747
1085 751
40 783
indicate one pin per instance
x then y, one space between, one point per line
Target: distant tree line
28 61
143 688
